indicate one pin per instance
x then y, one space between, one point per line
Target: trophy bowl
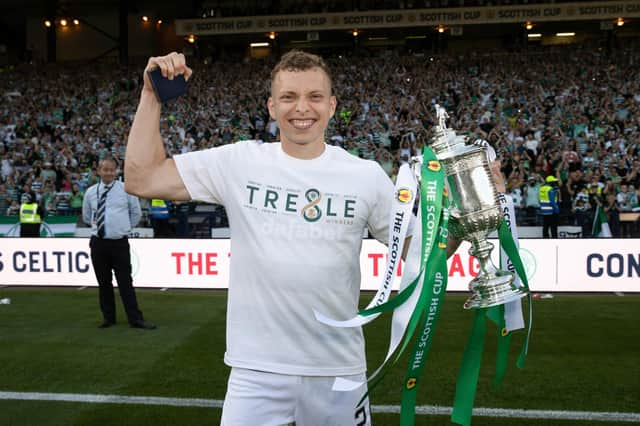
475 212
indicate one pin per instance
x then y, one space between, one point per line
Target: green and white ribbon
472 358
412 302
433 293
408 305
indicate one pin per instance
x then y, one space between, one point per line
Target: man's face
302 104
107 172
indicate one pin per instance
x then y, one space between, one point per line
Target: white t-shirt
532 144
296 231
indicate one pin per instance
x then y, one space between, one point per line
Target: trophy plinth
475 212
491 286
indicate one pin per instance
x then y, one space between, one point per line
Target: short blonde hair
297 60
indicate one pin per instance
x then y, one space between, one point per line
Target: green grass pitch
584 356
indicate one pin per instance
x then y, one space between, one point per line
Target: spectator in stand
612 211
92 178
595 188
63 203
518 200
13 209
75 202
531 144
626 200
623 198
616 179
5 199
633 175
582 211
633 198
6 169
531 199
48 173
49 197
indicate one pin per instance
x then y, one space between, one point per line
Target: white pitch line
602 416
112 399
389 409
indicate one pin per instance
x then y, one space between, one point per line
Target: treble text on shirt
311 204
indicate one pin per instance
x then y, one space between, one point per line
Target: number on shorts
361 417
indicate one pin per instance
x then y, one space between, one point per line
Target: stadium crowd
567 111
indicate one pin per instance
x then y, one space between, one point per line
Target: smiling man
302 104
297 211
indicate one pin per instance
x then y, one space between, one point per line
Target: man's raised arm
148 172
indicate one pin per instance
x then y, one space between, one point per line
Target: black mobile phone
166 89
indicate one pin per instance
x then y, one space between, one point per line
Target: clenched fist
170 66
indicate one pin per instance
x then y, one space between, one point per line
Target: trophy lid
446 143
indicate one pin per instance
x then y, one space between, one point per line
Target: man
549 207
297 211
626 201
112 213
5 199
531 199
31 214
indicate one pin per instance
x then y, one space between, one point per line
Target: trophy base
493 290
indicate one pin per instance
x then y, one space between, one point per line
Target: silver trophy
475 212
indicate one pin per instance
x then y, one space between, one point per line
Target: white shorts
258 398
